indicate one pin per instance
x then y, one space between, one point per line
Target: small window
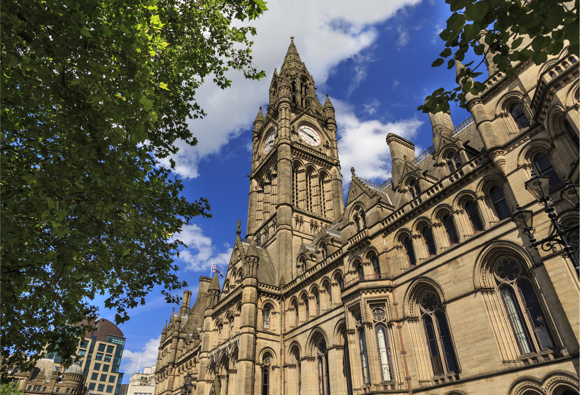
519 116
101 387
102 347
267 310
97 366
43 389
85 344
450 229
360 270
82 353
110 349
99 356
103 377
429 242
105 368
453 161
501 207
57 390
408 245
29 388
94 376
473 214
108 358
68 390
545 169
414 188
92 386
111 379
375 263
109 388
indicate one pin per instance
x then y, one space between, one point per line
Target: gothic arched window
323 250
317 301
267 312
414 188
429 241
266 362
437 335
408 245
364 360
323 374
360 270
473 215
501 208
296 316
375 263
328 290
546 169
450 229
306 309
519 117
453 161
384 352
321 179
522 307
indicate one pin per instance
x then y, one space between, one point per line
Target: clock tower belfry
295 183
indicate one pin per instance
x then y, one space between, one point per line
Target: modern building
142 383
101 353
421 284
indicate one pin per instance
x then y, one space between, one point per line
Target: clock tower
295 183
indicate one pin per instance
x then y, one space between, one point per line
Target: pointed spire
215 283
239 229
260 116
164 328
292 59
327 103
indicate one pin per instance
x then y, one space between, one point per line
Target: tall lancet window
383 344
322 361
266 362
295 183
321 179
267 313
308 179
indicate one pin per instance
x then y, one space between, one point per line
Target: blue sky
373 58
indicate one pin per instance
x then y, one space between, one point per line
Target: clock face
309 135
269 142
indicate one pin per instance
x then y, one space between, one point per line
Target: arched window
522 307
429 242
375 263
296 316
317 301
384 352
340 281
321 179
473 214
408 245
364 360
306 309
267 312
323 250
363 220
437 335
360 270
519 116
323 374
545 169
356 223
328 290
414 188
501 207
453 161
266 362
450 229
302 264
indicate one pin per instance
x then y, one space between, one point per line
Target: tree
10 389
507 32
94 92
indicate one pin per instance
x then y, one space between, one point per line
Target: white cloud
201 253
371 107
396 82
438 29
360 68
326 33
362 144
403 38
137 360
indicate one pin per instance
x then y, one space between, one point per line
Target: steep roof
292 62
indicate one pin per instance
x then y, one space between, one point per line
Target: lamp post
187 385
539 187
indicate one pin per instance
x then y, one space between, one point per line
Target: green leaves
503 32
92 96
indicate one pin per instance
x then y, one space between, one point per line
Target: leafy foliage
93 92
10 389
501 30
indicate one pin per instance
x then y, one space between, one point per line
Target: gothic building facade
419 285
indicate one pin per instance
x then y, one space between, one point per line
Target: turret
402 150
491 66
442 126
329 110
259 121
214 290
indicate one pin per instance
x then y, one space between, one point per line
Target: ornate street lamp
187 385
539 187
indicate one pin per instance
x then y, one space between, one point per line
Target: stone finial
352 170
239 229
292 38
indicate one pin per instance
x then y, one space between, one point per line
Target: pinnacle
215 283
260 116
327 103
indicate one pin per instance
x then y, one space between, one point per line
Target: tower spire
292 59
